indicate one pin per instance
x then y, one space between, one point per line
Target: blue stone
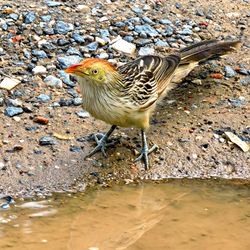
14 16
161 43
137 10
82 114
229 72
245 81
73 51
66 61
48 46
62 28
12 111
147 20
149 30
66 79
120 24
4 26
186 32
46 18
238 102
165 22
75 149
77 101
169 31
104 33
41 54
53 3
73 93
78 38
92 46
44 98
46 140
30 17
129 38
48 31
142 41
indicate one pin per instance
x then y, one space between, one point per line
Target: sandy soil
188 125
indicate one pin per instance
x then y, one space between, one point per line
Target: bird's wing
146 78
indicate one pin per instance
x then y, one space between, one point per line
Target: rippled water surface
173 215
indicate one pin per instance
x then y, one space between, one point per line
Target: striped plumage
127 95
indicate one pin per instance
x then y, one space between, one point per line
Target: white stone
146 51
39 70
83 8
123 46
9 83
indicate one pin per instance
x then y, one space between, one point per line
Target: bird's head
97 70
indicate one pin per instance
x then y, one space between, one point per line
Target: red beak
72 68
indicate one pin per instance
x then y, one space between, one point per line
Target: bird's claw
144 155
102 144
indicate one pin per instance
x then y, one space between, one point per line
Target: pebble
12 111
239 102
73 51
41 120
137 10
169 31
104 33
229 71
143 51
41 54
77 101
53 3
75 149
123 46
9 83
53 82
147 29
44 98
1 101
66 61
245 81
165 22
92 46
46 18
83 114
103 55
39 70
63 28
47 140
78 38
66 78
29 17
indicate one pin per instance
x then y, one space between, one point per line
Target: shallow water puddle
173 215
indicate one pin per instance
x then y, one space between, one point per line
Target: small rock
75 149
53 3
123 46
39 70
73 51
44 98
63 28
30 17
229 72
66 61
137 10
245 81
41 54
47 140
241 101
146 51
147 29
53 81
103 55
83 114
12 111
77 101
169 31
78 38
41 120
165 22
92 46
46 18
66 78
9 83
1 101
104 33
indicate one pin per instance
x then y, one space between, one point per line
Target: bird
126 96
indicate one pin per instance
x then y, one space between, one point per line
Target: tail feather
205 50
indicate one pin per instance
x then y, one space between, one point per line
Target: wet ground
173 215
188 125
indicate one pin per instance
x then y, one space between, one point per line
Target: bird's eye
95 71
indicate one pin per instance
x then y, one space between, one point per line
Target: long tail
207 50
192 55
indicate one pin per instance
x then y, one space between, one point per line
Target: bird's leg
145 151
102 143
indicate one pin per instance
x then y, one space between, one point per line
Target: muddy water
173 215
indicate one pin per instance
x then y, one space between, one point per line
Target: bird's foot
102 143
145 152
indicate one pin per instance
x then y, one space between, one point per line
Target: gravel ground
44 132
